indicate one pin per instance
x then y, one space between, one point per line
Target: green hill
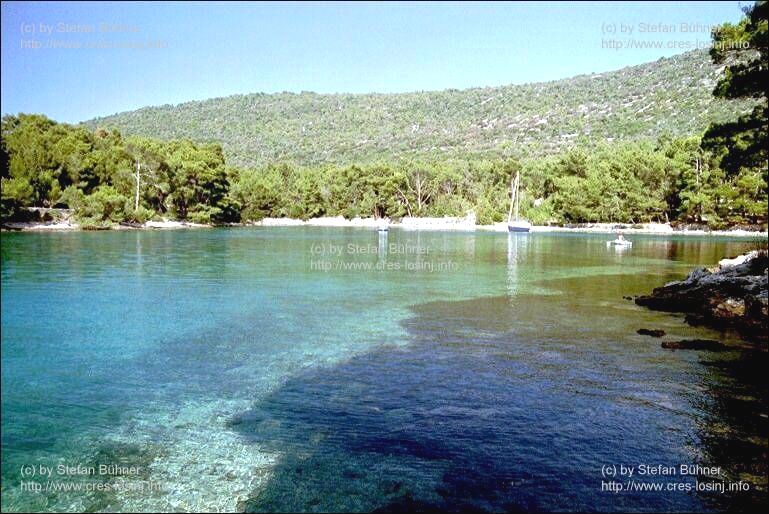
671 95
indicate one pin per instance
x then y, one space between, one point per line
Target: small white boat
383 227
619 242
515 224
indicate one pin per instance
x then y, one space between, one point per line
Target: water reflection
618 249
516 255
734 425
382 248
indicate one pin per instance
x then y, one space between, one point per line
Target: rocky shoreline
732 295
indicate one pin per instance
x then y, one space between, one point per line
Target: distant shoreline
408 223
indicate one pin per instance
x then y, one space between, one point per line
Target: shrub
105 204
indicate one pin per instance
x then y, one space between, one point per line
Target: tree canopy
742 49
47 164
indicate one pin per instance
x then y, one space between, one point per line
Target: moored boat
518 226
620 241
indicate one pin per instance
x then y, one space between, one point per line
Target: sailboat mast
517 189
512 200
136 201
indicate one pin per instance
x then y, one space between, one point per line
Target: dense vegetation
745 49
50 164
669 96
94 173
720 179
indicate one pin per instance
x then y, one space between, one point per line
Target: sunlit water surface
268 369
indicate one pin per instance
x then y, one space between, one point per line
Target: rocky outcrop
732 295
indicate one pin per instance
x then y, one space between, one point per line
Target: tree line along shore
94 174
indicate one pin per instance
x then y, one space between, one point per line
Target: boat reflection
517 244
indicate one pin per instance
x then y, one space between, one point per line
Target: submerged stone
695 344
650 332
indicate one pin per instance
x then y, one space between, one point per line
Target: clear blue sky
218 49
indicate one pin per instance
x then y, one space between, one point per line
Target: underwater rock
695 344
650 332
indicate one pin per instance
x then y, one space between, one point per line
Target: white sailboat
515 224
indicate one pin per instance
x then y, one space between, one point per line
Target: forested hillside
670 96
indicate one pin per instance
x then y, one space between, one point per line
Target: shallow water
320 369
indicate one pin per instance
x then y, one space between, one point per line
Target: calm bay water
312 369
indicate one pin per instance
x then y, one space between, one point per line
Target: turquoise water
314 369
